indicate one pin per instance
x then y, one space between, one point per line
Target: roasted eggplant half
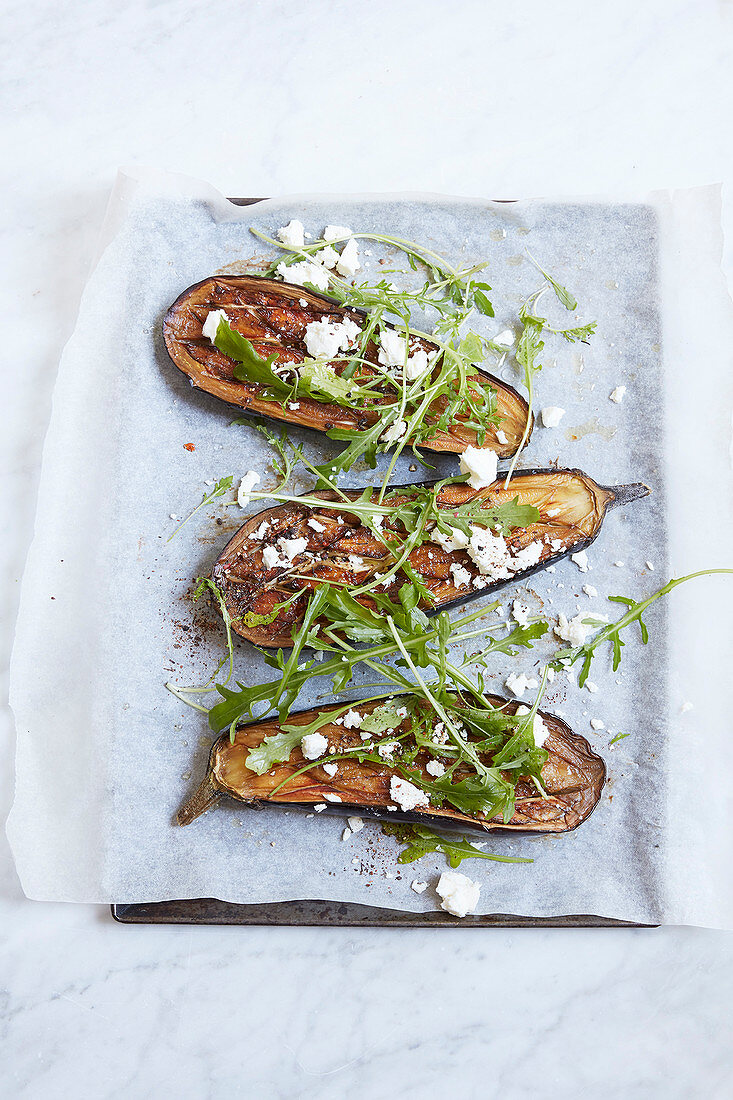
255 579
572 776
274 317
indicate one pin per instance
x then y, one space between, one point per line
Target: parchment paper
105 755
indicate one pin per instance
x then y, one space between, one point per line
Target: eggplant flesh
573 777
273 316
342 551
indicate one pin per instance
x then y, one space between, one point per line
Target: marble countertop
273 98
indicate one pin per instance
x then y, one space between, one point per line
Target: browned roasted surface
573 776
570 504
271 315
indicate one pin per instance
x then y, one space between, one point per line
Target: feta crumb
540 732
406 794
556 545
504 339
581 560
551 569
290 548
490 553
619 564
292 235
590 591
435 767
348 262
520 611
330 770
597 724
324 339
346 834
574 630
303 303
456 540
304 272
617 395
314 523
332 798
526 558
313 745
418 886
356 824
480 464
335 232
294 405
461 576
551 676
394 433
591 687
552 415
387 749
460 895
328 256
501 437
393 348
211 324
246 485
440 734
352 719
517 684
685 707
649 565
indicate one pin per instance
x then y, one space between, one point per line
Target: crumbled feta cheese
440 734
330 770
387 749
246 485
314 523
581 560
394 433
406 794
490 553
292 235
346 834
527 557
461 576
393 348
261 531
556 545
290 548
591 687
619 564
574 630
550 568
460 895
335 232
348 262
551 676
649 565
418 886
417 365
324 339
456 540
320 807
282 555
356 563
540 732
501 436
328 256
480 464
211 324
552 415
590 590
352 719
294 405
332 798
304 272
517 684
313 745
435 767
520 611
356 824
617 395
504 339
303 303
271 557
597 724
685 707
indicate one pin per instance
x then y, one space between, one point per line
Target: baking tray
331 914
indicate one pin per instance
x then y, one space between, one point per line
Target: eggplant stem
624 494
202 800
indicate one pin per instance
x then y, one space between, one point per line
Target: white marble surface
270 98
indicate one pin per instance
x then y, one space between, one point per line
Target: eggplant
572 509
573 777
273 316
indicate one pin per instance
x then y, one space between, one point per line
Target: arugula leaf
320 380
222 486
562 293
618 737
382 718
420 842
249 366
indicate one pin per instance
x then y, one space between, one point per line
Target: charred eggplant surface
572 775
275 561
274 317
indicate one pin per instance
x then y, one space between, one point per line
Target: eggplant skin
573 776
270 314
348 554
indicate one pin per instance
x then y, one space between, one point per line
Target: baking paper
106 755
